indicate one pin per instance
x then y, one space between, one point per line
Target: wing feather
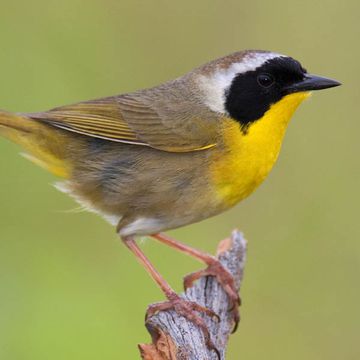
131 119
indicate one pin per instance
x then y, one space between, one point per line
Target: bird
171 155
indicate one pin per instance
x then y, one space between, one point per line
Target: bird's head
246 84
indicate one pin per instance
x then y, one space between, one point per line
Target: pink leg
183 307
214 268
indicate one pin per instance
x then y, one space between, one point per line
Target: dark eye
265 80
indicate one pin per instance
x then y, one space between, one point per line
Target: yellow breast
246 158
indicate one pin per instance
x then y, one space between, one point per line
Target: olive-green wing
128 119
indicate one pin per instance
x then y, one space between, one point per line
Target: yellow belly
247 158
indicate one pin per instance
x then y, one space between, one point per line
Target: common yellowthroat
174 154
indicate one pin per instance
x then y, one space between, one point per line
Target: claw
186 309
225 279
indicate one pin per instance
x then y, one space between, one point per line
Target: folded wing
128 119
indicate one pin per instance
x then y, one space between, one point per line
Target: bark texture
175 338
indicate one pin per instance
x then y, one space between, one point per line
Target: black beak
311 82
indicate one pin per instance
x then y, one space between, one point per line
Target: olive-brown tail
17 122
44 145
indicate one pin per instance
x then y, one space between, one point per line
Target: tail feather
42 143
17 122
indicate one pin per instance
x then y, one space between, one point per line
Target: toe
156 307
188 310
191 278
206 311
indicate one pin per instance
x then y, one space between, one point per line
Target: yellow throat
248 157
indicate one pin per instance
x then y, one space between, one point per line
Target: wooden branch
175 338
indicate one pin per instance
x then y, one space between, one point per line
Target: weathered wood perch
175 338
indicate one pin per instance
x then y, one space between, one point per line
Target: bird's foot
188 310
226 280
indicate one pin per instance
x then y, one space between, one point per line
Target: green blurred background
70 290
